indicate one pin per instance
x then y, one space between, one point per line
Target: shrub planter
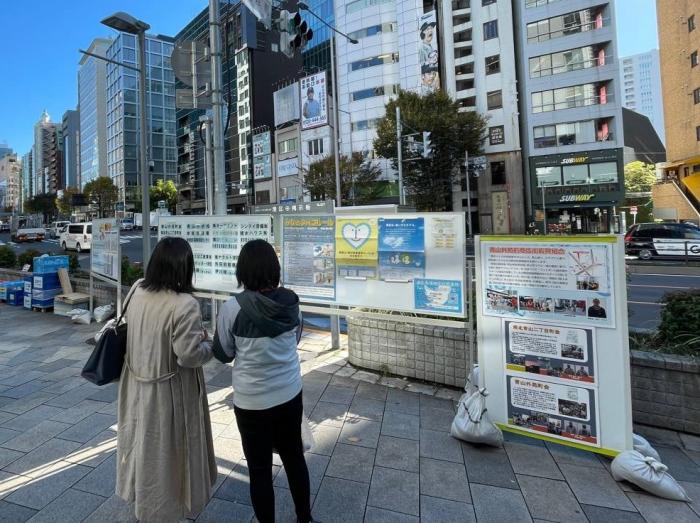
666 391
434 354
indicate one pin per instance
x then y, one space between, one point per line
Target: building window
494 100
498 173
493 64
491 30
693 59
538 3
364 125
691 23
696 96
565 134
465 69
373 30
565 61
315 147
262 197
488 2
353 7
288 146
563 25
375 60
697 133
497 135
374 91
569 97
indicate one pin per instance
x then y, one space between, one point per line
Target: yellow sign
356 243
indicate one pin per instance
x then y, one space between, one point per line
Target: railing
571 104
585 64
569 30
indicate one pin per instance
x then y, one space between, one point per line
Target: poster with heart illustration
356 247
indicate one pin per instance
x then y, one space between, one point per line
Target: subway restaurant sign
568 198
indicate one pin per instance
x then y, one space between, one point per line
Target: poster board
216 242
402 262
553 338
105 259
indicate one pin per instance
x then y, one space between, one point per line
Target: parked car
54 228
77 236
127 224
649 240
4 227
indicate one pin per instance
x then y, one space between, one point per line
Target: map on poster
308 256
438 295
216 242
550 351
560 411
104 251
401 249
356 247
561 282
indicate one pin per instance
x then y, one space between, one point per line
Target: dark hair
258 267
171 267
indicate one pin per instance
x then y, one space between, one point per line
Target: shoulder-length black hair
258 267
171 267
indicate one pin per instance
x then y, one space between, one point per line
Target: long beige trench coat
165 452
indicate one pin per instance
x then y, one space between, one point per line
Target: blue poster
401 249
438 295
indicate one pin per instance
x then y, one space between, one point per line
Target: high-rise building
11 181
641 87
47 160
5 149
123 114
27 179
250 73
70 134
92 105
317 54
570 113
480 73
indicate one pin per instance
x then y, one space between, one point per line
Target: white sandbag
472 384
648 474
472 424
642 446
80 316
108 325
103 313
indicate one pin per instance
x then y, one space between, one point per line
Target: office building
11 181
46 155
570 114
123 115
70 133
92 105
317 53
250 73
27 178
640 75
5 150
480 73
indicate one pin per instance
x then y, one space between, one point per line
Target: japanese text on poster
356 247
438 295
104 251
401 249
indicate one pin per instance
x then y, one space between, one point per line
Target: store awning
692 183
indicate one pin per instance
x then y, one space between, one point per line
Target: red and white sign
633 209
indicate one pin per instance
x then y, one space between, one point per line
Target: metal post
145 174
469 196
402 197
336 138
544 209
208 168
217 101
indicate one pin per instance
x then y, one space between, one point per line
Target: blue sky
39 49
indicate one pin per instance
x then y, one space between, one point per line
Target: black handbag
107 359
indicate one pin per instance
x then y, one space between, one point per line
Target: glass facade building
317 55
123 117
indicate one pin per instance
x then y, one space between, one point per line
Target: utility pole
544 208
469 194
402 198
336 138
217 100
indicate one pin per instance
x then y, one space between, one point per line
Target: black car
649 240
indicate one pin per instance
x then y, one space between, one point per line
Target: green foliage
103 193
358 179
680 318
428 182
639 177
164 190
63 204
73 263
44 204
27 257
130 272
8 259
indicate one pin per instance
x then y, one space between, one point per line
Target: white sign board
553 339
405 262
216 242
104 250
314 104
286 104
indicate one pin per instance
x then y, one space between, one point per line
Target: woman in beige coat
165 453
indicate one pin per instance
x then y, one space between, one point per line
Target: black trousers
278 427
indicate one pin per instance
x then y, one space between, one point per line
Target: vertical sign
428 52
261 156
553 343
104 250
314 105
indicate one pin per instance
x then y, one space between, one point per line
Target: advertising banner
289 167
262 167
104 251
261 144
313 101
216 242
286 104
401 249
428 52
357 250
438 295
308 256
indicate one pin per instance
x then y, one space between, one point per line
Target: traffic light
294 32
427 146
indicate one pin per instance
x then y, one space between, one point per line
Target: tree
63 204
639 177
102 191
44 204
358 179
429 181
164 190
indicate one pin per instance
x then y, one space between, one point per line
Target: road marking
656 286
646 303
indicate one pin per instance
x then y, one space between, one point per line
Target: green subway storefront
577 193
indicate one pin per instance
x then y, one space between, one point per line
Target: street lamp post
126 23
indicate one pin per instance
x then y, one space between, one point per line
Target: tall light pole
217 102
126 23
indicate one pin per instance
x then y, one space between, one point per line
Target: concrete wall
669 196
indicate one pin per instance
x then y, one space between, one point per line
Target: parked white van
77 236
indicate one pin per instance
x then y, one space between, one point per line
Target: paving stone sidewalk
383 451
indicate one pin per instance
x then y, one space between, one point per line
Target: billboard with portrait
313 101
429 52
286 104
